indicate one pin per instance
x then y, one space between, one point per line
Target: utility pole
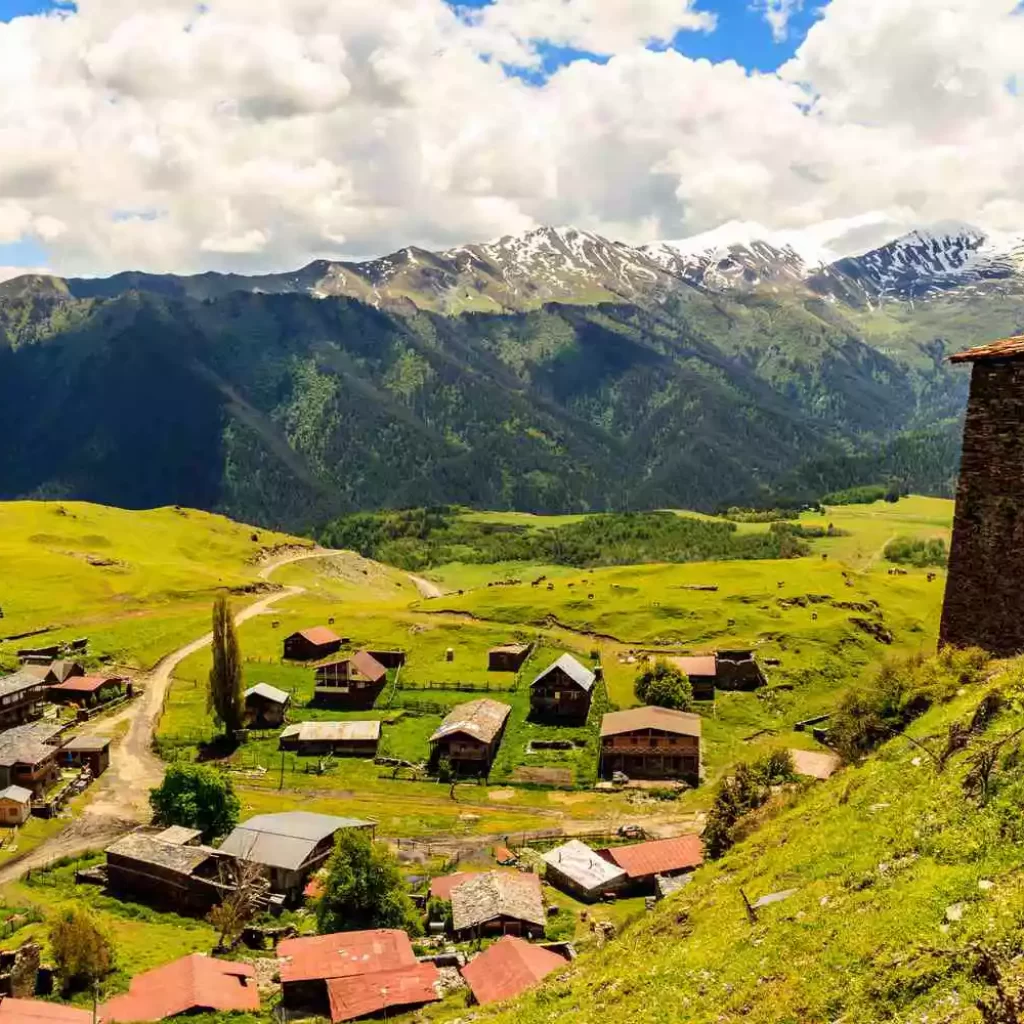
280 784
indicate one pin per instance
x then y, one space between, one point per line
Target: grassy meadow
138 584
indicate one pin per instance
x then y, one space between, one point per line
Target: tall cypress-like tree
225 698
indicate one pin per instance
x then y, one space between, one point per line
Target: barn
651 743
311 644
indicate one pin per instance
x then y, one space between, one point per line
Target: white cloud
6 273
777 13
258 134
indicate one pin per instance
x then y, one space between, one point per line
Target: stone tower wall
984 602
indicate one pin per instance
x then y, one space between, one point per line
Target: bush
745 790
82 953
663 685
196 796
363 888
900 692
916 551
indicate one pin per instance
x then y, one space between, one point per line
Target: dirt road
120 799
425 587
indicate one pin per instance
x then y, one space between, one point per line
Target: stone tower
984 603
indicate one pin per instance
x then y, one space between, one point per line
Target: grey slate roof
147 848
497 894
27 744
284 840
482 719
268 692
21 680
578 673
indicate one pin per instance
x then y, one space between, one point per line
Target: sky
255 135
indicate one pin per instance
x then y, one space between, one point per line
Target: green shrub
917 551
196 796
663 685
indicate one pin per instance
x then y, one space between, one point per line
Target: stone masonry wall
984 602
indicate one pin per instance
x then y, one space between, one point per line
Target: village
485 928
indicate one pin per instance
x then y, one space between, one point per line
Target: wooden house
350 975
354 682
61 671
507 658
563 691
352 739
21 697
289 846
311 644
651 743
498 903
29 757
470 734
702 671
85 691
265 706
15 805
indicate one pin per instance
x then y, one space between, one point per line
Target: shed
186 879
470 734
311 644
508 968
15 805
702 671
347 975
290 845
580 871
651 743
193 984
92 752
354 682
738 669
265 706
563 691
507 657
358 739
643 862
498 903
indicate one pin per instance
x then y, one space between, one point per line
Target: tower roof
1007 348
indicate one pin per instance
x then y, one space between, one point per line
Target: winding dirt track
120 800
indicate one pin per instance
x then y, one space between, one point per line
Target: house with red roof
508 968
354 682
643 863
85 690
311 644
193 984
349 975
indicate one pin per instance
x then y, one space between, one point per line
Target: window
654 741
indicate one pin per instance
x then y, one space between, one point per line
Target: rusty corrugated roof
509 968
319 635
369 994
1007 348
659 856
344 954
195 982
696 665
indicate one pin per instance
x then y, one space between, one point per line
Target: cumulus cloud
777 13
258 134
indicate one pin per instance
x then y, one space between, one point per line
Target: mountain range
553 370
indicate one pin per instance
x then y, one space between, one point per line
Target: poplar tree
225 697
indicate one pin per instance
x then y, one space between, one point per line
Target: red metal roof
1008 348
344 954
195 982
83 684
351 998
368 666
38 1011
658 857
320 635
508 968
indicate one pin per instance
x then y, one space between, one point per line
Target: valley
819 623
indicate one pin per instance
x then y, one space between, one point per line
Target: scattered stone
875 808
985 884
955 912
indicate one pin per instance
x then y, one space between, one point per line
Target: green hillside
289 410
906 899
